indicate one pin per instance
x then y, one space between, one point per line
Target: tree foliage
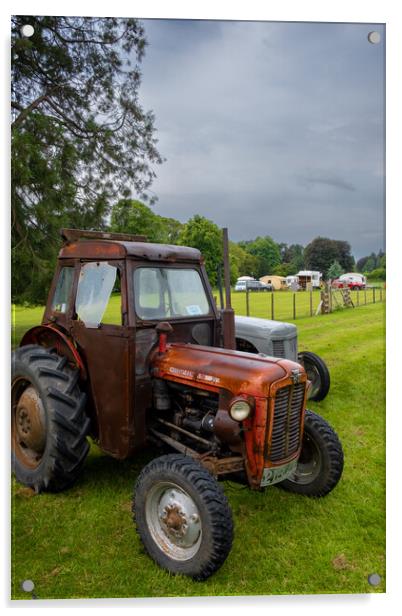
267 252
292 259
371 262
201 233
322 252
242 263
133 216
80 138
377 274
334 271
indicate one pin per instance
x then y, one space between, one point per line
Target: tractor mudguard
51 337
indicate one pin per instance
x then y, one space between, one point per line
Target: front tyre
317 373
320 463
48 421
182 516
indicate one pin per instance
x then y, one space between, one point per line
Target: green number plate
279 473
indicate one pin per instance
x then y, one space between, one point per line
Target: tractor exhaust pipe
228 321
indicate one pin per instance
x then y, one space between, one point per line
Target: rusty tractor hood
215 368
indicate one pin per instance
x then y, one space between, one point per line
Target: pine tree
80 138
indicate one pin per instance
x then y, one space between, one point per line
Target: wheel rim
309 463
28 424
173 520
314 376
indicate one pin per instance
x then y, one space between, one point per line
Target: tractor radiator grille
285 438
278 348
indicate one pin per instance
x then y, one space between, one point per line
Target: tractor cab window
95 302
63 290
162 293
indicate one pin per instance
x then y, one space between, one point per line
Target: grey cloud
333 181
273 128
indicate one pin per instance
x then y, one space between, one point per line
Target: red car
351 284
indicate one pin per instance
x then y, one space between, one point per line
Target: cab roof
116 249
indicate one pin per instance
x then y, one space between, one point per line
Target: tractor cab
109 293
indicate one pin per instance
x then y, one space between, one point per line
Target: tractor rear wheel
320 464
182 516
48 422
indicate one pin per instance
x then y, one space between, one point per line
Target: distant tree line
374 265
258 257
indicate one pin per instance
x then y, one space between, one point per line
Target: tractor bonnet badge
296 374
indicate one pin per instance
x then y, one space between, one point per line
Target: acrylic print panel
173 129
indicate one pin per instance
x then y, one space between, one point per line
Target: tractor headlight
240 409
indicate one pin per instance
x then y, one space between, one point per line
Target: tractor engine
187 415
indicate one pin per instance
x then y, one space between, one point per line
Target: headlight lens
240 410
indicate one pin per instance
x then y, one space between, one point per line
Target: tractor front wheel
182 516
320 463
317 373
48 422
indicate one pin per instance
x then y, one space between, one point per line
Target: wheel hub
30 431
174 521
313 376
309 463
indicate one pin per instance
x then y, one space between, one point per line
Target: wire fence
289 305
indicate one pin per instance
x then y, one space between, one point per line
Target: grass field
288 306
82 543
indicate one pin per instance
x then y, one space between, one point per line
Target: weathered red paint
215 369
144 251
108 355
50 336
242 374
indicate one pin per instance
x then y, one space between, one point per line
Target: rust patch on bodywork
215 369
51 337
113 249
222 466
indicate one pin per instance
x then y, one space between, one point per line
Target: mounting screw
374 38
27 31
28 586
374 579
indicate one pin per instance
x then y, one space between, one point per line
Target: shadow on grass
101 470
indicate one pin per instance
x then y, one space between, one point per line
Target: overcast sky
270 128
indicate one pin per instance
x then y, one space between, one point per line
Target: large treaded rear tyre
317 373
320 464
182 516
49 425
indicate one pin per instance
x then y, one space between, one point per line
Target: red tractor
132 350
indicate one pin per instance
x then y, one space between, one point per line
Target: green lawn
82 543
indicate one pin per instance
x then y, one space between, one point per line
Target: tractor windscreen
166 293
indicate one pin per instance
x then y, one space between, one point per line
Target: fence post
247 303
380 294
272 305
294 306
358 297
373 295
365 296
311 303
